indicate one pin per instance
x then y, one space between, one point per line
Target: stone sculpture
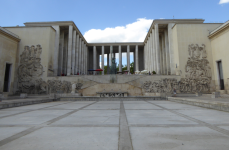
197 75
30 70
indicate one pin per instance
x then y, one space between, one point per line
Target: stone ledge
17 103
90 98
218 105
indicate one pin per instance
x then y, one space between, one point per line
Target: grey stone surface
113 125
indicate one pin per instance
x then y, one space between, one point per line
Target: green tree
132 67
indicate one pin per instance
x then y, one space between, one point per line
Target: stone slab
59 138
188 138
154 117
218 104
33 117
92 117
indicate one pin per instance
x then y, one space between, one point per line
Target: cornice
9 35
116 44
175 21
59 23
219 30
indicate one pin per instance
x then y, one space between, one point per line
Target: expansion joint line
213 127
37 127
124 133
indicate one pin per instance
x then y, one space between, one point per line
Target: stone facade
53 57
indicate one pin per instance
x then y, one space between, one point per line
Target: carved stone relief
197 75
30 71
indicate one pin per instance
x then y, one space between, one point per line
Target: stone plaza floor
113 125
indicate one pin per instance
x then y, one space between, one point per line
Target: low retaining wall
218 105
109 98
17 103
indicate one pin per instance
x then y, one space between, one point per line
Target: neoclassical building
186 54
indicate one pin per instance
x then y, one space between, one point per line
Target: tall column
77 54
164 55
56 51
73 52
86 67
128 58
111 53
82 59
69 67
171 50
103 60
61 54
146 55
151 53
120 58
157 49
94 58
65 54
79 61
154 52
136 58
161 54
167 52
108 63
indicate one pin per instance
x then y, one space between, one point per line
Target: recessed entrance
220 70
7 77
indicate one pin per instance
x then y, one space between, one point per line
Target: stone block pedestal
23 95
215 94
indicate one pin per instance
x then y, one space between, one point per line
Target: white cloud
133 32
223 1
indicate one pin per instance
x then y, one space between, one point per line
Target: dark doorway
220 69
7 78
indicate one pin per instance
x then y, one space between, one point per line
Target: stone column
108 63
56 50
128 58
146 56
120 58
136 58
157 47
69 67
161 54
86 67
171 50
164 55
79 61
82 59
77 54
153 56
167 52
150 53
94 58
73 52
61 54
65 54
103 59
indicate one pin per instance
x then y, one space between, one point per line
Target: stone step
217 104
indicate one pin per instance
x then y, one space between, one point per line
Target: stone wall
8 54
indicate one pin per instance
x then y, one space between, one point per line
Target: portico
95 50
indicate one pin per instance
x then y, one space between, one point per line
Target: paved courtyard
113 125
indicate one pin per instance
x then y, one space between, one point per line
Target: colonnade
112 54
158 51
71 52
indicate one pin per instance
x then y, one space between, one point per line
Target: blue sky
111 20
